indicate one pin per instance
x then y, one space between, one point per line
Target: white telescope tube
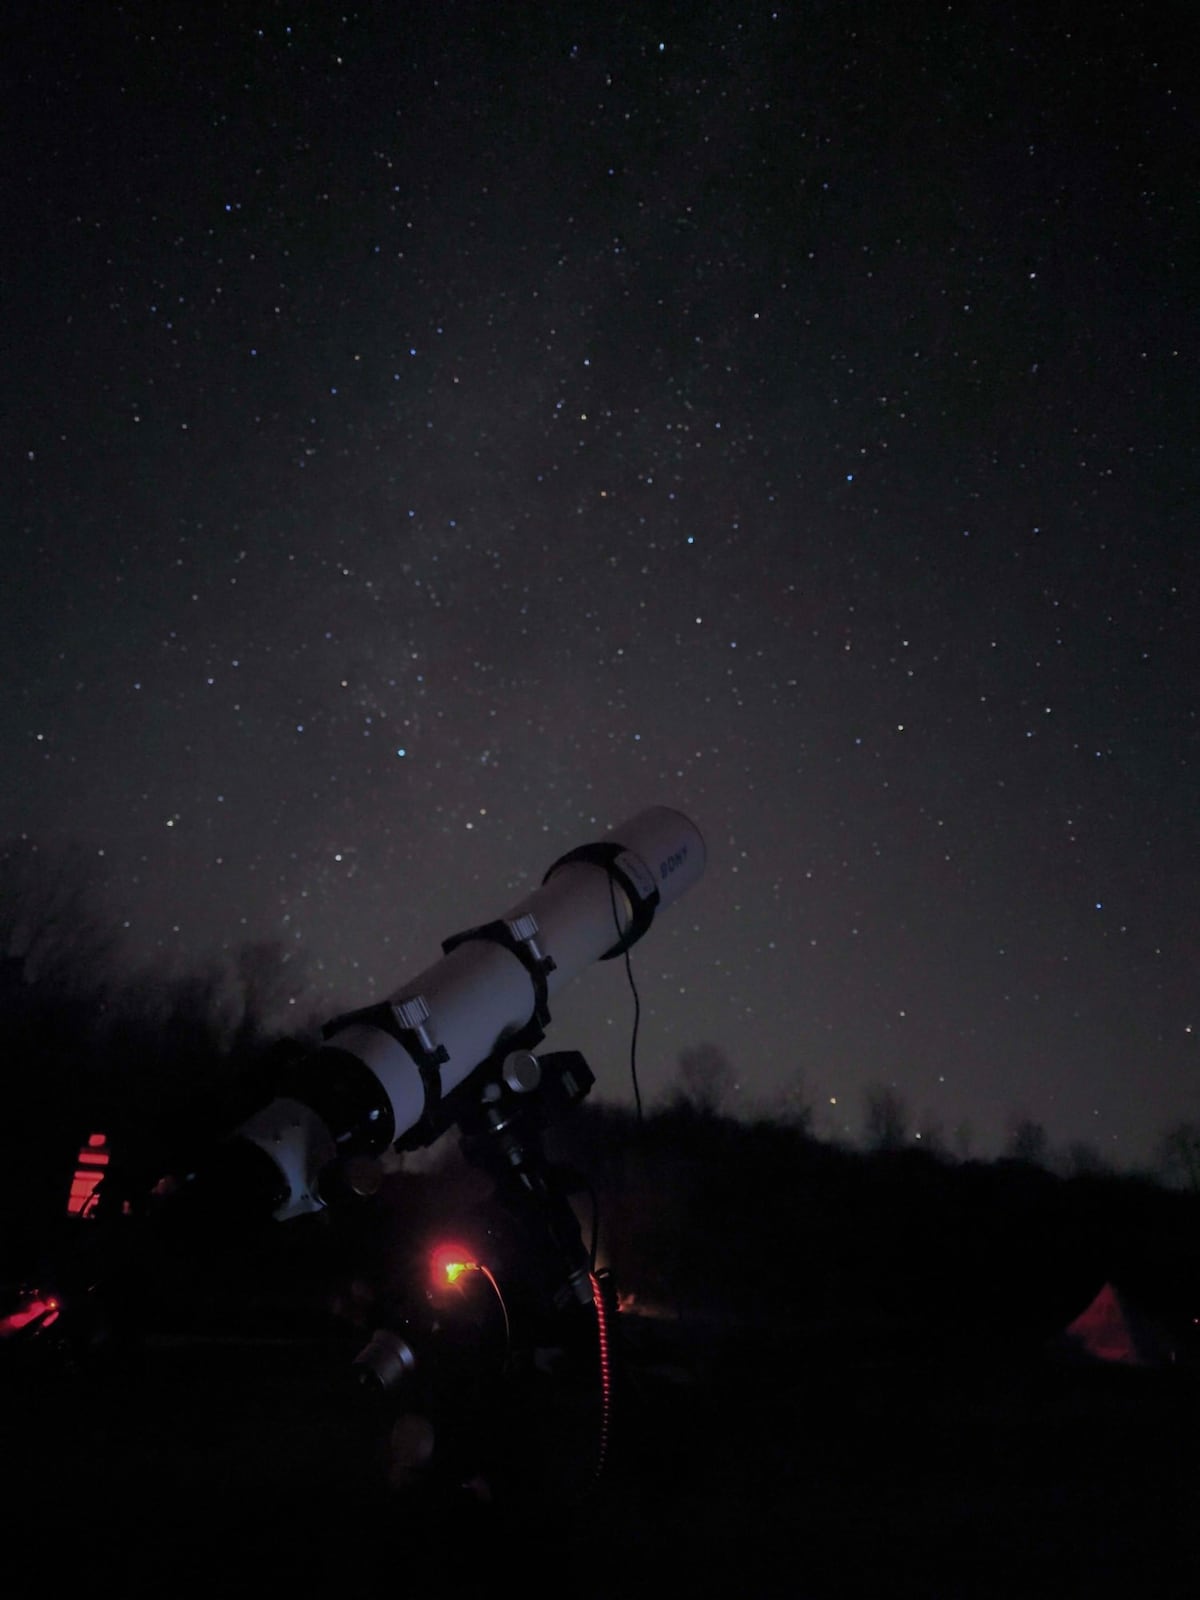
491 986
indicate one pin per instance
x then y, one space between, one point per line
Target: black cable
637 1004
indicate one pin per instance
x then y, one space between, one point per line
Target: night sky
433 433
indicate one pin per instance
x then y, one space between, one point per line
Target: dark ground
741 1464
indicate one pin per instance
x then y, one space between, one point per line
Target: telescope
395 1074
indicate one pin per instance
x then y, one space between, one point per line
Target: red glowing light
449 1262
38 1308
605 1373
91 1161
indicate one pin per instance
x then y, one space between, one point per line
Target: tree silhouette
885 1118
707 1079
1179 1155
1027 1141
1083 1160
267 980
54 935
56 975
793 1105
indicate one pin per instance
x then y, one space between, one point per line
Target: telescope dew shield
490 989
648 863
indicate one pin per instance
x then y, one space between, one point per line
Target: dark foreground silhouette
840 1380
742 1461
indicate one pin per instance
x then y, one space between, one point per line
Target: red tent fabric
1112 1330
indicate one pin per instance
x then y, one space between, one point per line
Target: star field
433 437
